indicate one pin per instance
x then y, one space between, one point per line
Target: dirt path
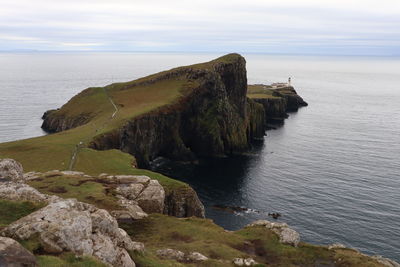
80 144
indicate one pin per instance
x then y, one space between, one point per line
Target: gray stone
286 235
336 246
244 262
70 225
11 170
196 256
171 254
23 192
151 199
12 254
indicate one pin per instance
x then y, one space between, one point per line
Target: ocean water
332 170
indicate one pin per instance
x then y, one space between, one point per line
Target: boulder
131 211
171 254
12 254
11 170
70 225
151 199
196 256
244 262
148 194
286 235
336 246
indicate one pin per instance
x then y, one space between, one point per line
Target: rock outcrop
183 202
12 254
286 235
70 225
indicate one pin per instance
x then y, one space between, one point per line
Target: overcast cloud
268 26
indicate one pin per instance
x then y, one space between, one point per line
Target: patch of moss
11 211
221 246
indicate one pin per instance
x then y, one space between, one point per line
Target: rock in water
12 254
70 225
11 170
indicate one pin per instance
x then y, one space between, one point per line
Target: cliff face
214 119
183 203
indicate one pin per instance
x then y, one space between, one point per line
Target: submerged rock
12 254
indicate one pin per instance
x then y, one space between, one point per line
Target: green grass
220 246
68 260
11 211
261 91
84 189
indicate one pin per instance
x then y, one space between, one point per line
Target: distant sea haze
332 170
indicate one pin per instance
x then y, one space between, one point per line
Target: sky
332 27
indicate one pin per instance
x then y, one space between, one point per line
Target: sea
332 170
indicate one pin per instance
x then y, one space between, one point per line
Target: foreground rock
12 254
286 235
11 170
69 225
23 192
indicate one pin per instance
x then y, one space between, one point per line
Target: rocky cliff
277 100
214 118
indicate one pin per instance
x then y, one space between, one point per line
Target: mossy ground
221 246
11 211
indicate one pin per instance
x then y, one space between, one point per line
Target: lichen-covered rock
286 235
195 256
12 254
131 210
23 192
70 225
244 262
148 194
336 246
171 254
11 170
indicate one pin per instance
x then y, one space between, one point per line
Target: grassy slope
221 246
260 91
